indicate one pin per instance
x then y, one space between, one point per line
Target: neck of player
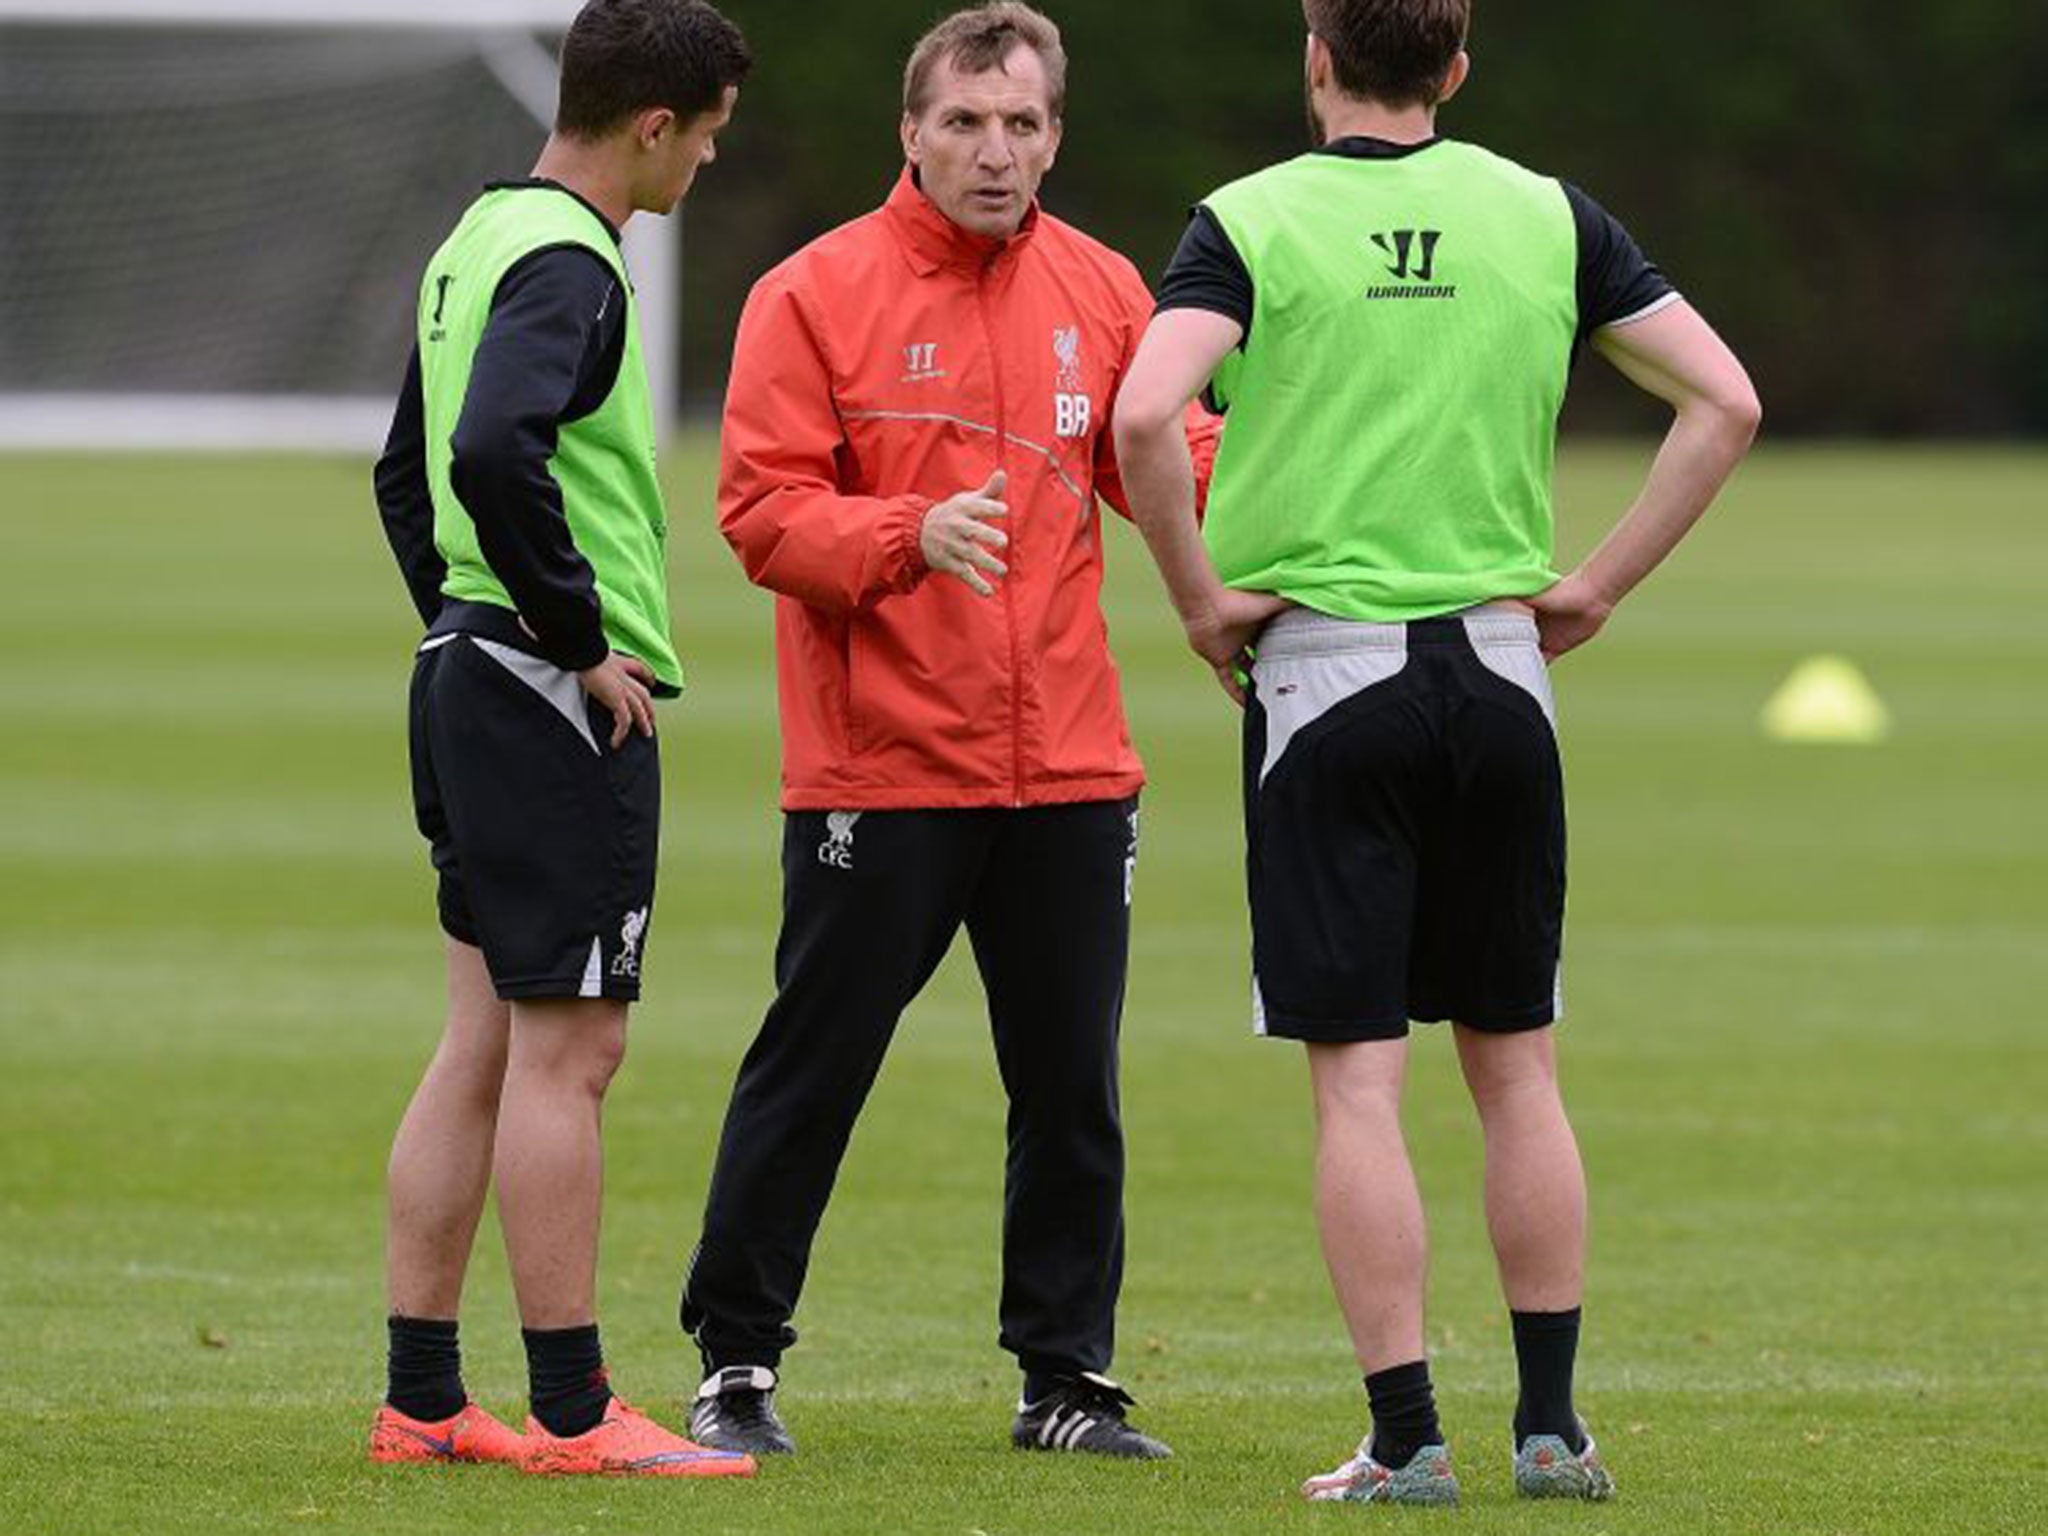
593 172
1348 118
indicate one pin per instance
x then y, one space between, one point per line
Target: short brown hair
1395 52
625 57
978 40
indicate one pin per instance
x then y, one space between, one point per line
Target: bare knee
601 1058
1506 1070
1358 1084
571 1045
472 1063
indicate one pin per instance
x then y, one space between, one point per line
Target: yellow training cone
1827 699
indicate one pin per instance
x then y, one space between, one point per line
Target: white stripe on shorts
561 689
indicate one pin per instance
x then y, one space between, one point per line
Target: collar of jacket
932 241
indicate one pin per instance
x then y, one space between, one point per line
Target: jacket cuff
909 540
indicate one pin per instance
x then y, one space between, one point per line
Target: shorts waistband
1304 632
484 621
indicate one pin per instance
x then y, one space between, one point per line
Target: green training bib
1393 414
605 462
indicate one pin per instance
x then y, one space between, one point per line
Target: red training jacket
894 363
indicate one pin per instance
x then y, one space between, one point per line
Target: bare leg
441 1158
1367 1206
550 1154
1535 1184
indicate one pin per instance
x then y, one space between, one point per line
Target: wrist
916 518
1199 605
584 654
1199 621
1600 589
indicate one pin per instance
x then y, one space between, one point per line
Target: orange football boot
472 1435
626 1444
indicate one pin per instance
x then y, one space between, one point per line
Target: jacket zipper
1010 552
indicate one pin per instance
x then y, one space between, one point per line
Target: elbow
758 564
1742 411
1740 406
398 482
1730 414
1751 417
764 556
483 457
751 544
1141 423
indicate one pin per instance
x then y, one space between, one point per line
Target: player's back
1394 407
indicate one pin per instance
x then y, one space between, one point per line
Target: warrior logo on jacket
1073 412
921 363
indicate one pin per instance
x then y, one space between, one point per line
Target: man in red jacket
916 432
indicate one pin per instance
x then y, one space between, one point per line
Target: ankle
1546 1353
568 1386
424 1376
1403 1413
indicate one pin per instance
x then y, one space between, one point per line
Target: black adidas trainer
735 1411
1084 1414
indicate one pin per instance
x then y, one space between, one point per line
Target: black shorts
1404 818
545 838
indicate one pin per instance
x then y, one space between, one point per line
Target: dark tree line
1855 191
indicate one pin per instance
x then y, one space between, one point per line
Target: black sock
425 1380
1403 1413
1546 1345
567 1383
1039 1385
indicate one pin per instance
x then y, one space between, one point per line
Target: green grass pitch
1805 1055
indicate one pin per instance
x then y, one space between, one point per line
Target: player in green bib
1389 322
519 492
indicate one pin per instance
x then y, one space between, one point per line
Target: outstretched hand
1222 634
960 540
624 686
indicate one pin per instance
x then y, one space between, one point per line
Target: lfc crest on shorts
631 932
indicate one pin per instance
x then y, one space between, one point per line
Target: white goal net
213 216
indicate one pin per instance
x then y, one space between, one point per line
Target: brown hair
624 57
1395 52
978 40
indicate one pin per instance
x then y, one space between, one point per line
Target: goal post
217 211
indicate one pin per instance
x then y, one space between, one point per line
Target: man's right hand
623 685
1222 634
958 538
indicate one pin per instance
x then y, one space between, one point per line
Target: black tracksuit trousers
870 906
